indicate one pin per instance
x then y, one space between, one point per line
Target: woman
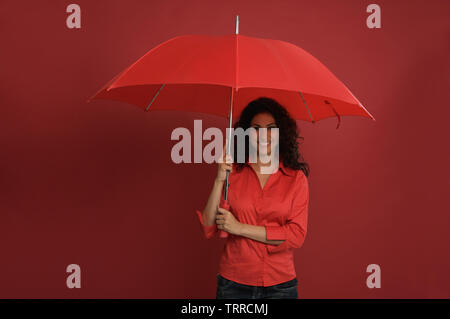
268 212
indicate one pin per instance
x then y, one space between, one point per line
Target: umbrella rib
335 112
146 109
307 108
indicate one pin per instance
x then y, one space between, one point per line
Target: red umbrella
221 74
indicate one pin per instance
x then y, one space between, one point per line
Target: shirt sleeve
293 232
210 231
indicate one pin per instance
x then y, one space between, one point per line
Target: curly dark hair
288 133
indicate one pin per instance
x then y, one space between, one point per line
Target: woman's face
263 137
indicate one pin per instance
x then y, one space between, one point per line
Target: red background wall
93 183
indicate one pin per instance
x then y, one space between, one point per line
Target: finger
222 210
220 222
229 159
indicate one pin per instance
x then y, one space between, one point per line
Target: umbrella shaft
230 125
228 152
225 196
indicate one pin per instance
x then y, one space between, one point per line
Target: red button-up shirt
281 207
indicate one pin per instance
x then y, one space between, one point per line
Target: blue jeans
228 289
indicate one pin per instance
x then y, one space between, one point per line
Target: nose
264 135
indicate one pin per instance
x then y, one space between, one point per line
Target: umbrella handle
224 234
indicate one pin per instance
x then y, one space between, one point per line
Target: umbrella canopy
220 75
200 73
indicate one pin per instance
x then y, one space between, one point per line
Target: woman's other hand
226 221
